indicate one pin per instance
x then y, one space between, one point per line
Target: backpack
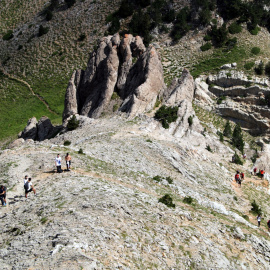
26 186
237 176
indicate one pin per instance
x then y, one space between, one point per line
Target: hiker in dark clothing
3 194
29 187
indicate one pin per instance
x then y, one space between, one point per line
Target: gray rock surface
30 131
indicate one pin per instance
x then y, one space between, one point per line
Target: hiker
58 163
29 187
255 171
242 175
268 225
68 161
262 172
237 178
244 156
25 179
3 195
259 220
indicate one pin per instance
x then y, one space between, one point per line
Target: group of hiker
261 173
239 177
58 163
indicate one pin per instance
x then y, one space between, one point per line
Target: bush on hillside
219 35
166 115
49 15
42 30
67 143
73 123
267 69
221 136
255 31
220 99
208 148
237 159
167 200
259 69
255 50
188 200
207 46
190 120
235 28
9 35
237 138
256 209
227 132
207 38
114 27
249 65
70 3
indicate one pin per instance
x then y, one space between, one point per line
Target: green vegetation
67 143
208 148
80 151
249 65
237 138
221 98
221 136
255 50
256 209
237 159
166 115
70 3
207 46
42 30
190 120
157 178
167 200
235 28
82 37
259 69
9 35
188 200
267 69
73 123
227 132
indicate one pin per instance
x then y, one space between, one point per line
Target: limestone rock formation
111 68
144 84
180 89
202 94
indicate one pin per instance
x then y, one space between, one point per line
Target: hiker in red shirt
242 176
238 179
262 173
255 170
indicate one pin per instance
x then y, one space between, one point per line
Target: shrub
80 151
126 9
70 3
249 65
220 99
49 15
148 140
73 123
235 28
188 200
259 69
166 115
115 107
246 217
190 120
219 35
207 38
237 138
208 148
167 200
114 27
157 178
255 31
9 35
255 50
221 137
207 46
169 180
237 159
67 143
114 96
227 130
235 198
20 47
254 157
267 69
82 37
42 30
256 209
157 103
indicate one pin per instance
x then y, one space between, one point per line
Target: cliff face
111 68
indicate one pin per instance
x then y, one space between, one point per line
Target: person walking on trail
58 163
255 171
29 187
268 225
25 179
3 195
68 161
262 172
259 220
237 178
242 175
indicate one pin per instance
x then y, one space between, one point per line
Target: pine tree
237 138
227 130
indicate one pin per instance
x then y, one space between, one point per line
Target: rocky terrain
105 213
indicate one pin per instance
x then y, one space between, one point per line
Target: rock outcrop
39 130
180 89
111 68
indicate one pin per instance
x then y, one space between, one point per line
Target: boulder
180 89
144 84
45 129
30 131
16 143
